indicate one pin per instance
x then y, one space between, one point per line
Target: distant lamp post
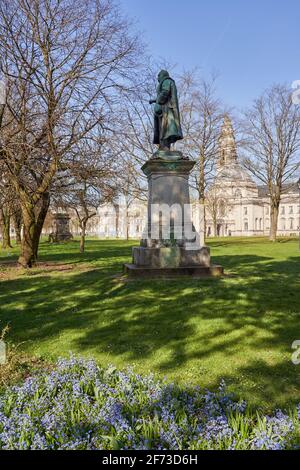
298 185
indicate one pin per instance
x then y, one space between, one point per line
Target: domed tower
233 206
227 148
230 175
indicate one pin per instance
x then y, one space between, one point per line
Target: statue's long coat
167 126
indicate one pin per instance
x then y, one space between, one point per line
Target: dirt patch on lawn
10 269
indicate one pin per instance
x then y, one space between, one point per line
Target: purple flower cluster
79 405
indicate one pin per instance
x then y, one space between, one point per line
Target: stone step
188 271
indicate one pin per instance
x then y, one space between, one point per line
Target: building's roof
234 173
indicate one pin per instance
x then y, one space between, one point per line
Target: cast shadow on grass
172 323
68 252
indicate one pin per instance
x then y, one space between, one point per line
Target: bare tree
87 182
5 219
130 188
10 214
136 118
66 62
8 204
201 116
10 211
216 207
133 146
17 221
272 144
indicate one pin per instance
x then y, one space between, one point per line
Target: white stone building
237 206
121 220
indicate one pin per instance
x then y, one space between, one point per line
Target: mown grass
240 327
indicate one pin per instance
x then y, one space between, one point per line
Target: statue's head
163 74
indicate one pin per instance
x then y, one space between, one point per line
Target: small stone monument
61 227
2 352
170 244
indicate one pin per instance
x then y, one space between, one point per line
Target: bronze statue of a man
167 128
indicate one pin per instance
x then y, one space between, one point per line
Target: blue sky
250 43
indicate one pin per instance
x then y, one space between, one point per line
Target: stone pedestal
170 257
61 230
170 244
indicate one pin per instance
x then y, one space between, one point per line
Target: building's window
282 223
137 228
246 226
267 224
291 224
282 210
260 224
267 210
298 209
256 224
291 209
245 210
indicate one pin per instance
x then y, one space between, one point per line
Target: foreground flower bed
81 406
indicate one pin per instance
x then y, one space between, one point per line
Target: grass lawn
239 327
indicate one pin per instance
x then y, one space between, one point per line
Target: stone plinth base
170 246
61 230
170 257
134 271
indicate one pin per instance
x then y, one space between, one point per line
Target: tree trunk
45 203
274 220
27 257
33 220
17 218
127 224
215 228
82 236
203 211
5 228
117 219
